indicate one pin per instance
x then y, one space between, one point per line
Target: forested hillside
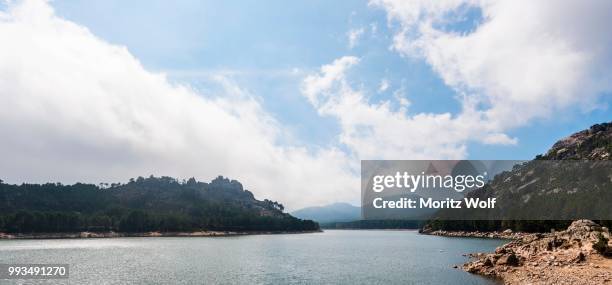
544 188
141 205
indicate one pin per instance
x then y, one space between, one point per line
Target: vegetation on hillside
546 190
141 205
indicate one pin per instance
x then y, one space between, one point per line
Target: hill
337 212
546 192
144 204
594 143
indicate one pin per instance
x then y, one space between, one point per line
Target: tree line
144 204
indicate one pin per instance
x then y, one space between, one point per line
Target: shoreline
86 235
507 234
355 229
565 257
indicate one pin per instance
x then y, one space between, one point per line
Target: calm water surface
336 257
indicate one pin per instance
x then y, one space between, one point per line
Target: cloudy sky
288 96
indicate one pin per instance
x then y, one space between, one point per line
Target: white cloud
374 28
377 131
353 36
400 96
384 85
314 86
76 108
526 60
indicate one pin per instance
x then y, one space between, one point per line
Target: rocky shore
574 256
507 234
146 234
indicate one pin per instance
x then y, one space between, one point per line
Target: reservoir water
330 257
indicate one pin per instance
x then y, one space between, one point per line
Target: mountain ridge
331 213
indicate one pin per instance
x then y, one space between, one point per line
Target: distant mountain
337 212
375 224
144 204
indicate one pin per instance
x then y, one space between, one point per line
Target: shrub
602 244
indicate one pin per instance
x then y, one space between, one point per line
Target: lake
334 256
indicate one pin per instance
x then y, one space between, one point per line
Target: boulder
500 249
579 257
508 259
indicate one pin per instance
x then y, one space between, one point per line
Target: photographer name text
430 203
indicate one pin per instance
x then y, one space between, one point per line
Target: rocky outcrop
6 236
507 234
565 257
592 144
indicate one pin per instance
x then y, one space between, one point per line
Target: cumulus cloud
353 36
380 131
400 96
76 108
384 85
539 57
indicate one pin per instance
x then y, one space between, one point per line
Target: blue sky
261 45
309 99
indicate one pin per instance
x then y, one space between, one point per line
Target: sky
288 96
